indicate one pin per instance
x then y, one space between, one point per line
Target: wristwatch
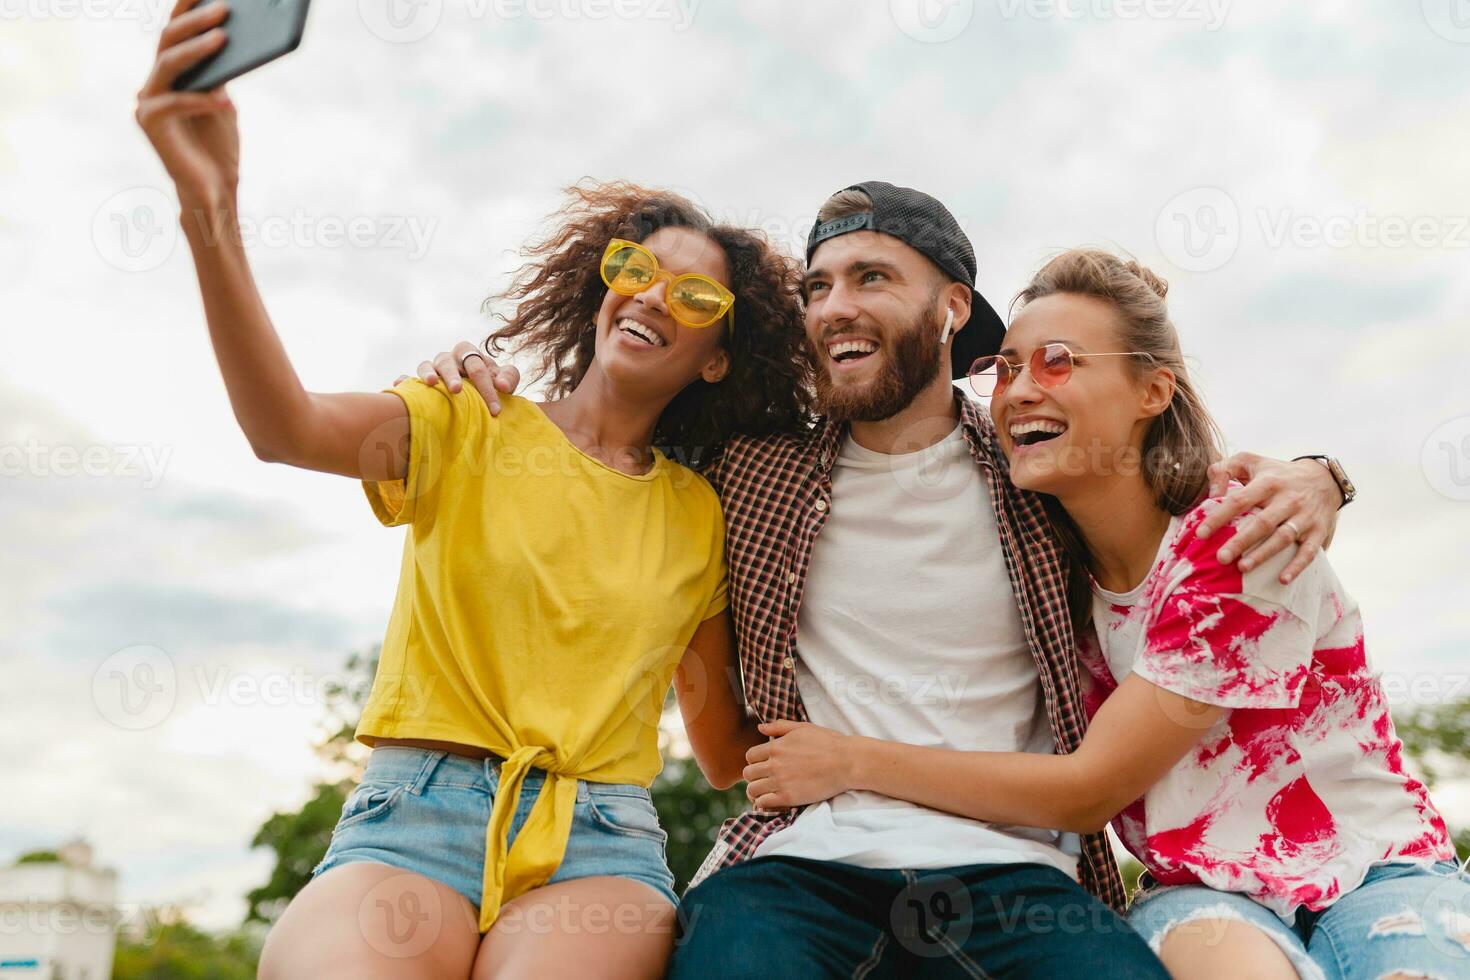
1349 492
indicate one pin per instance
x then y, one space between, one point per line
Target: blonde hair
854 200
1182 442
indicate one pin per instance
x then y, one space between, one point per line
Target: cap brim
982 336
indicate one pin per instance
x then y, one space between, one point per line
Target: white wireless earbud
948 323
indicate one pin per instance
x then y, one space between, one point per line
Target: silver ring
1296 532
469 354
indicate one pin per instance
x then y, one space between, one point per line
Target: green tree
299 840
39 857
1438 738
178 951
691 811
300 837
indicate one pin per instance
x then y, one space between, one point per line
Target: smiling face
640 345
1091 428
874 314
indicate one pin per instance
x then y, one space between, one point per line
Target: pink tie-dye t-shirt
1301 787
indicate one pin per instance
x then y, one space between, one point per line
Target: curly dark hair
558 292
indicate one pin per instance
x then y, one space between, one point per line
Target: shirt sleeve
720 598
1225 638
713 470
431 421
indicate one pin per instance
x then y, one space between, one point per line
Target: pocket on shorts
633 816
369 801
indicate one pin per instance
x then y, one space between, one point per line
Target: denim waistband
418 769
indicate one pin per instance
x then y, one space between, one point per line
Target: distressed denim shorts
1403 918
426 812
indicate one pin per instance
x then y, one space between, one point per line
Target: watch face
1343 483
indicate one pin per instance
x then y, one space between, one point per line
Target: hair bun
1149 277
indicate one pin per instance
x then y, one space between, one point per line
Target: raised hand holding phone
260 31
363 435
194 133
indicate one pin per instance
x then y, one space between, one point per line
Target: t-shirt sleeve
431 423
720 597
1225 638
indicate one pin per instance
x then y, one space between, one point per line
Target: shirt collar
975 421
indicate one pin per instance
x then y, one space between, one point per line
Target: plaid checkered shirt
777 494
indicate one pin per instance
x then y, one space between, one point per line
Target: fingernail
1227 557
1246 565
495 408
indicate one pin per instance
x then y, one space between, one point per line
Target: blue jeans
1402 918
792 917
426 812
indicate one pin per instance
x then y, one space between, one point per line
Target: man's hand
1303 493
488 377
802 763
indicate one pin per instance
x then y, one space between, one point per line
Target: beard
910 365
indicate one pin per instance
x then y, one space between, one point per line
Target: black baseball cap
921 222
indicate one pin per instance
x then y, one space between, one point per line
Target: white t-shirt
909 631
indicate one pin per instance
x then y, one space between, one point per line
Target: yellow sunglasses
694 300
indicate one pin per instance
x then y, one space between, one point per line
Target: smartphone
257 32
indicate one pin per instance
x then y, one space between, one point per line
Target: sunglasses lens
629 270
1051 365
695 302
986 377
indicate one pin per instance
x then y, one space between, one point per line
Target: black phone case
257 32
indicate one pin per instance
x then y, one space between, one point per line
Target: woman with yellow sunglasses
562 564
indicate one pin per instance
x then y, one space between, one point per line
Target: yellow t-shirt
544 602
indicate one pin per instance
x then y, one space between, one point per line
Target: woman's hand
488 377
803 763
194 133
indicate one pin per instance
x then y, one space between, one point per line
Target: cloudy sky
1296 171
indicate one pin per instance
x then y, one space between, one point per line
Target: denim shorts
1403 918
426 812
